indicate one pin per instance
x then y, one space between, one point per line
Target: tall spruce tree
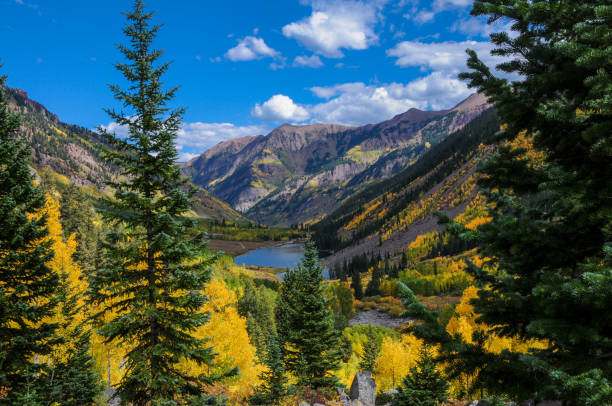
356 284
27 285
151 290
273 378
370 352
424 385
373 287
306 324
550 234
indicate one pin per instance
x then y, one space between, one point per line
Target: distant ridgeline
67 149
65 152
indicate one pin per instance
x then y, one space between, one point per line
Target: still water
280 256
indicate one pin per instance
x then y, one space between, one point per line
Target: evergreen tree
345 272
151 290
74 381
404 260
273 379
423 386
27 285
549 190
373 287
370 352
306 324
356 284
258 308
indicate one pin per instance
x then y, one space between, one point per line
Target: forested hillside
390 214
74 155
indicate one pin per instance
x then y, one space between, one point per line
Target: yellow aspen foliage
75 286
359 218
525 142
69 272
395 359
477 222
227 332
464 324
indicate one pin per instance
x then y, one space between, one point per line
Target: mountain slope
296 174
74 152
386 216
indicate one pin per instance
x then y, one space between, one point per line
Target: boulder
363 389
345 400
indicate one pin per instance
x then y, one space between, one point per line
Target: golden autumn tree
73 380
226 331
465 324
395 360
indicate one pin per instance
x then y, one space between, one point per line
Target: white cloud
278 65
186 156
423 16
358 103
335 25
120 131
426 16
447 57
198 136
250 48
280 108
195 138
448 4
312 61
478 27
29 5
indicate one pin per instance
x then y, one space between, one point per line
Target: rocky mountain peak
475 101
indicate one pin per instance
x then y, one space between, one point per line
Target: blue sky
245 67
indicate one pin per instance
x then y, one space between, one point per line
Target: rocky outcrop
363 389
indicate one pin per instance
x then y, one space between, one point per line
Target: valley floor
236 248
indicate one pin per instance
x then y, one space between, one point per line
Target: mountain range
371 188
297 174
75 154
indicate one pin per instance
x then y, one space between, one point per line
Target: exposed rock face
298 173
363 389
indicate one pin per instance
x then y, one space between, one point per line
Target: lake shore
237 248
